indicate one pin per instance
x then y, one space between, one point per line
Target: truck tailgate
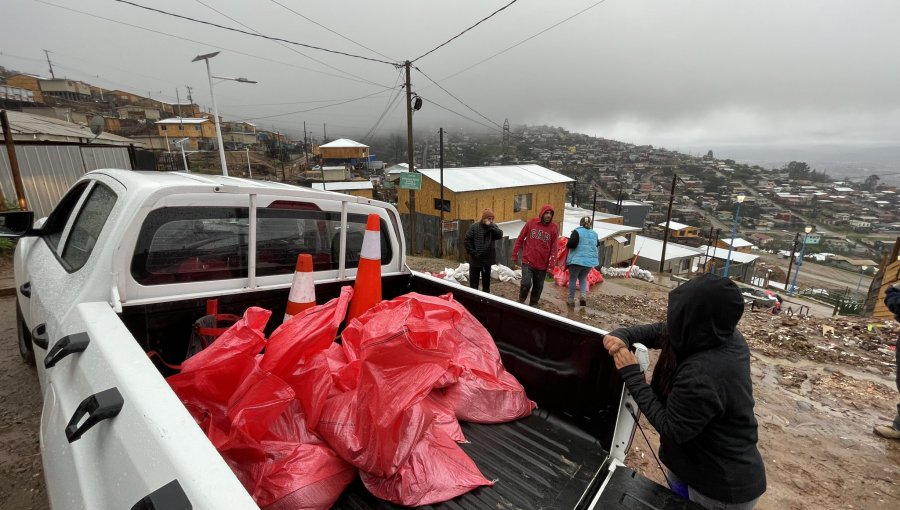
537 462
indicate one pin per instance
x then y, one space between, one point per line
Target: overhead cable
314 22
230 50
448 41
317 107
245 32
523 41
283 45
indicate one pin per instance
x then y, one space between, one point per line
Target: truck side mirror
16 223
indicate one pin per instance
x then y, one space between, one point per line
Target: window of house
685 265
628 239
442 204
163 128
522 202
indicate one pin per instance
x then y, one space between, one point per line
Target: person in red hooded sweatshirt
537 243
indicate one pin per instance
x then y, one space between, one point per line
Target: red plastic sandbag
436 470
484 392
377 423
256 409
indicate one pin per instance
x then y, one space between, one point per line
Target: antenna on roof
50 64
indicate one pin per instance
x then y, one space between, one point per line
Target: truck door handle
25 289
168 497
39 336
98 407
69 344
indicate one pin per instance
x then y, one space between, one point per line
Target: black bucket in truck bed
537 462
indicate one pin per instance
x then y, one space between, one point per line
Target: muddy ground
818 396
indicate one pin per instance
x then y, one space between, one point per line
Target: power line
317 107
238 52
523 41
295 50
263 36
391 102
458 99
448 41
314 22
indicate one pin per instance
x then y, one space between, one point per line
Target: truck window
87 226
190 244
56 222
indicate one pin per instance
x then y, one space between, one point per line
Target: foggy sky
664 72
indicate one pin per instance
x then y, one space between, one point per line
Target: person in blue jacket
582 245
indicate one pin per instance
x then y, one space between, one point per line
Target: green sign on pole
411 180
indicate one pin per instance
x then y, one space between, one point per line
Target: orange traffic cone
303 289
367 290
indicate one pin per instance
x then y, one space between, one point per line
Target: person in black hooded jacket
700 399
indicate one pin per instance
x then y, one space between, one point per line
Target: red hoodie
537 242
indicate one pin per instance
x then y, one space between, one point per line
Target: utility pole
594 207
574 192
190 97
13 161
787 279
324 132
410 159
709 244
441 247
178 98
50 64
662 260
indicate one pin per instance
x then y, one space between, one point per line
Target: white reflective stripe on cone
371 248
303 288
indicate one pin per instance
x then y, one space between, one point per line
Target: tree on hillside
871 182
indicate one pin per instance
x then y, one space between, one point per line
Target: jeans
532 280
678 487
483 273
579 273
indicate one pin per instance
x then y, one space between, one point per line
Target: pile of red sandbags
560 272
296 422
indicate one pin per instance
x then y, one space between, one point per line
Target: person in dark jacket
700 399
892 301
479 243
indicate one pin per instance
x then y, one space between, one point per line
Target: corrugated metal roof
342 185
342 143
738 242
495 177
183 120
736 256
602 229
27 127
674 225
652 249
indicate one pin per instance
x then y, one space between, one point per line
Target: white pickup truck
124 266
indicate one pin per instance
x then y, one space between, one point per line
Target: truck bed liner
537 462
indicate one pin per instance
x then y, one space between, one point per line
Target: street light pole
807 230
734 224
212 96
862 270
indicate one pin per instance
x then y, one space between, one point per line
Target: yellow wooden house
514 192
739 245
681 231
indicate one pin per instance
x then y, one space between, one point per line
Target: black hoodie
702 406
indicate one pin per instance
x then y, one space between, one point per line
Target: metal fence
48 170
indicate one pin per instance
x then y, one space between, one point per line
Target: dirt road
818 395
21 474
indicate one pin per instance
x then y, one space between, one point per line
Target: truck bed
536 462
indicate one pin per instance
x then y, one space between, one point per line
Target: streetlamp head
864 268
205 57
245 80
740 198
807 230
